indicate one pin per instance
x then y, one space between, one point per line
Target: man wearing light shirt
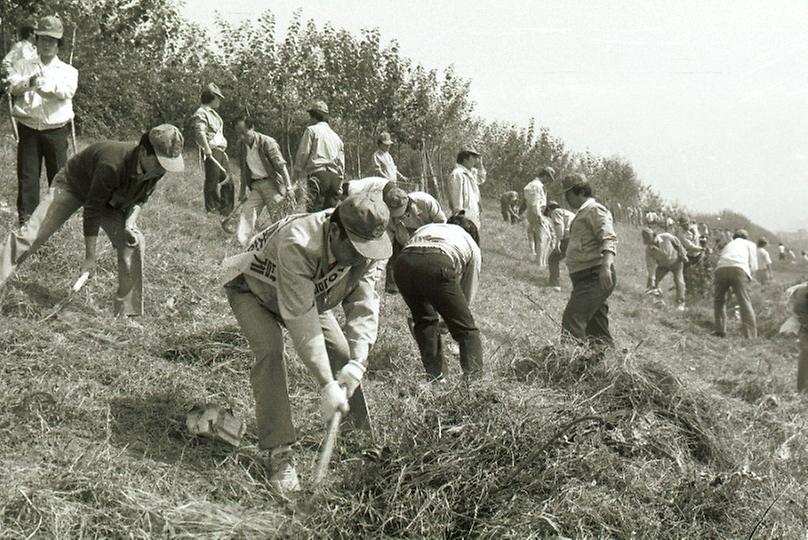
43 90
736 265
464 185
320 160
590 260
208 129
263 171
25 48
293 275
561 219
382 160
534 200
438 273
764 273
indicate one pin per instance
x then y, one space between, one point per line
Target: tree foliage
142 63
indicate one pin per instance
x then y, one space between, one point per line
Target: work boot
284 476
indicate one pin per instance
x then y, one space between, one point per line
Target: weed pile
629 450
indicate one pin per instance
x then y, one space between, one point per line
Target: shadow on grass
154 427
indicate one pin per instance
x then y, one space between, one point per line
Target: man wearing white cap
320 160
464 184
292 276
383 163
43 90
110 181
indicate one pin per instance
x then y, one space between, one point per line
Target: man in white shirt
438 273
534 201
464 185
764 273
383 163
25 48
736 265
561 219
43 90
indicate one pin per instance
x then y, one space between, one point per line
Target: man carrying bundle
293 275
110 181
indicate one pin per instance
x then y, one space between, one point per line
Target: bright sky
707 99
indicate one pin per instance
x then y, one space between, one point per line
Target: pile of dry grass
630 450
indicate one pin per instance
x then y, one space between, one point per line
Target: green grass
675 434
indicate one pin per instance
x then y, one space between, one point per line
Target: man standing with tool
209 137
534 200
293 275
464 184
43 90
263 171
590 260
320 160
110 181
383 163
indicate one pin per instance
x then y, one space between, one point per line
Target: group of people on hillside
294 273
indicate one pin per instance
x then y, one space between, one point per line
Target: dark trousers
324 189
554 262
733 278
431 287
34 146
218 199
390 279
586 317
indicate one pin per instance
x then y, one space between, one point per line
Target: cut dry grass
675 434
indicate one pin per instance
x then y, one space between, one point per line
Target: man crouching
292 275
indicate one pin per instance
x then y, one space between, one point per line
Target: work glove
333 398
350 376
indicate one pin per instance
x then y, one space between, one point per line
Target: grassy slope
688 436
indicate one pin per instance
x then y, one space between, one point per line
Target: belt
424 250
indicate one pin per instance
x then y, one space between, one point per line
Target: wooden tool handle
327 449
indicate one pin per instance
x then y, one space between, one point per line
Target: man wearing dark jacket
264 172
110 181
